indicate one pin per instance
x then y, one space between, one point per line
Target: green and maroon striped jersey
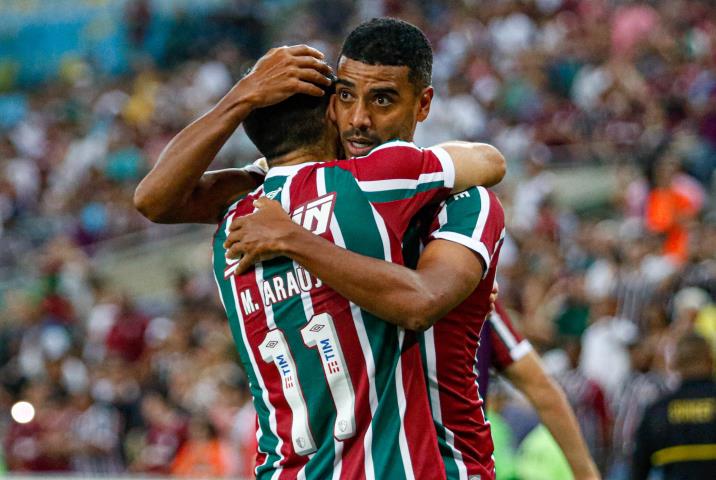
475 219
339 393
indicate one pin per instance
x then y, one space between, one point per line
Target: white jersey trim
447 163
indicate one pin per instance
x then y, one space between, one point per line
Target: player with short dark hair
386 41
297 122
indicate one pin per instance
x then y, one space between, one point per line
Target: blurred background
115 356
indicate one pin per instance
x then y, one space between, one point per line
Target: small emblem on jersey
458 196
271 344
333 366
272 194
342 426
288 381
301 442
315 215
316 328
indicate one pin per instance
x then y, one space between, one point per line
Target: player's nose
360 117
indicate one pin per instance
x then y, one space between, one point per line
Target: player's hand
259 236
493 296
283 72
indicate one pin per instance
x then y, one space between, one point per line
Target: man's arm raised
178 189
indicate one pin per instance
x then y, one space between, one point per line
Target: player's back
475 219
331 382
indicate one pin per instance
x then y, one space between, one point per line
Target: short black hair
297 122
392 42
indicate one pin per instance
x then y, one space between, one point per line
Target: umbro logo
272 194
271 344
316 328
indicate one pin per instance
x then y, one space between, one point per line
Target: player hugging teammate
359 366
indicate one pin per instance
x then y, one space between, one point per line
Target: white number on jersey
275 349
319 333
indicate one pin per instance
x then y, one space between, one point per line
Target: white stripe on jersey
502 330
400 388
447 164
482 218
286 194
308 308
383 231
477 246
392 143
268 309
433 388
264 391
400 183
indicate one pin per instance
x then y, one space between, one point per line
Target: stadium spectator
678 432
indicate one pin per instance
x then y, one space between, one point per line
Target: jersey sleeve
399 178
473 218
508 345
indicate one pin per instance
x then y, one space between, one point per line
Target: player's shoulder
393 146
243 205
476 200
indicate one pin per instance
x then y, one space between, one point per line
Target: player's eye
382 100
345 95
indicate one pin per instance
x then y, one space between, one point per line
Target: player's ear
426 98
331 109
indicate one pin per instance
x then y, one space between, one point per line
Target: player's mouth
359 147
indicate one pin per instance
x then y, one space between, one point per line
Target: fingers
236 224
314 64
234 251
307 88
246 262
262 202
313 76
305 50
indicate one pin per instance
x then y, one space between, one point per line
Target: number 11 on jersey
320 333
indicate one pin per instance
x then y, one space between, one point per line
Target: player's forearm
177 176
476 164
560 421
390 291
528 375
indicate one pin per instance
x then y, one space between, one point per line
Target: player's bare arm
178 189
476 164
528 375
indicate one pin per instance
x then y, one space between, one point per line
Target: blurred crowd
604 294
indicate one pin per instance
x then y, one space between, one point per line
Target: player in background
382 92
512 357
279 313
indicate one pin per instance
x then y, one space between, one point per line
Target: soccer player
336 389
383 91
503 348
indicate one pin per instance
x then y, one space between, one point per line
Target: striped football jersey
339 393
475 219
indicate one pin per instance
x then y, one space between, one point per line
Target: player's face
374 104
